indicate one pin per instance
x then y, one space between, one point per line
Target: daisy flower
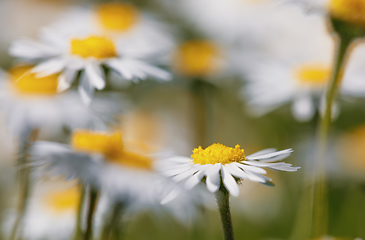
70 48
224 166
30 102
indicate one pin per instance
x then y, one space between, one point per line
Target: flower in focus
126 172
31 102
74 45
224 167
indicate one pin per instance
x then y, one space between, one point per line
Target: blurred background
219 48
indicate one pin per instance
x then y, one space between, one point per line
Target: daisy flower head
224 167
32 102
88 50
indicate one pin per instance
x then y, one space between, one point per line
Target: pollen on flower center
117 16
94 46
197 58
348 10
27 83
218 153
97 142
312 74
62 201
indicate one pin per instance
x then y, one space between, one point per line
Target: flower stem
23 176
222 197
78 227
112 229
93 197
319 225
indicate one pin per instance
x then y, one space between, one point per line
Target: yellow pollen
312 74
197 58
62 201
352 11
109 144
27 83
117 16
93 47
132 159
218 153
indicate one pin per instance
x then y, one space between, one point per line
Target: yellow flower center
313 74
27 83
108 144
62 201
218 153
197 58
93 47
117 16
111 146
352 11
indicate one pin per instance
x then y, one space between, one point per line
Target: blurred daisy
224 167
88 50
52 211
30 102
127 172
297 67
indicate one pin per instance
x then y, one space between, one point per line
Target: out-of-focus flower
30 102
218 162
52 211
68 48
128 173
297 67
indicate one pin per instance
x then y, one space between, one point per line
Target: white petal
194 180
176 170
271 157
236 171
229 182
213 177
257 177
262 152
65 79
169 197
49 67
182 176
251 168
277 166
95 74
85 89
303 109
121 68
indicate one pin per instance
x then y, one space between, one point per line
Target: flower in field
126 172
68 47
30 102
223 166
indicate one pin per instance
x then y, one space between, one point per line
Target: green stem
23 176
319 226
78 227
93 197
222 197
112 228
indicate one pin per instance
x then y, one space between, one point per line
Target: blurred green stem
319 224
24 180
93 199
78 227
113 228
222 197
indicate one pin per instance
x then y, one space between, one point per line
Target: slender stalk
319 226
222 197
112 229
93 197
23 177
78 227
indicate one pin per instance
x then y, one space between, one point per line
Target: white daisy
88 50
224 167
297 67
29 103
125 172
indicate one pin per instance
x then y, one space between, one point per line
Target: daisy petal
213 177
86 90
271 157
236 171
65 79
169 197
277 166
120 67
262 152
182 176
49 67
194 180
95 74
229 182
